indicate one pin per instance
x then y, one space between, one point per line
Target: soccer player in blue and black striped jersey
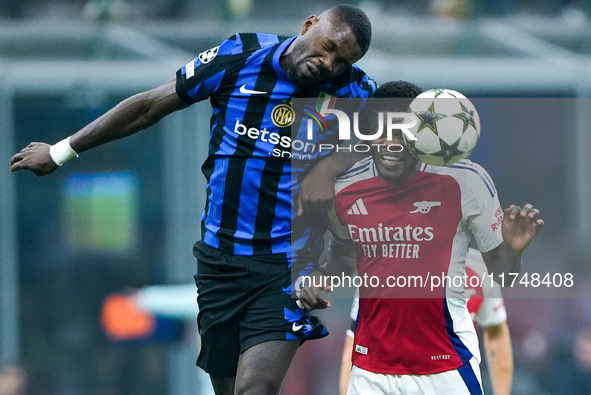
249 322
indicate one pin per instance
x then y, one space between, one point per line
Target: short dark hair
401 94
397 89
357 21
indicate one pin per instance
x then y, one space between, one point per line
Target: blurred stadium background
125 216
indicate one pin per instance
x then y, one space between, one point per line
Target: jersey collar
282 47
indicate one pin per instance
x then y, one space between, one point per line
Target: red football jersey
418 231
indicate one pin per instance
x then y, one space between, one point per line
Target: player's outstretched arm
126 118
519 227
499 356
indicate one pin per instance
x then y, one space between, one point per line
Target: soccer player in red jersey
397 218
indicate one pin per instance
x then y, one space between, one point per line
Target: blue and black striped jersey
248 170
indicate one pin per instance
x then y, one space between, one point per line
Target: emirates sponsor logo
383 233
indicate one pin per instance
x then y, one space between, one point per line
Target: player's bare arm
346 365
499 355
519 227
128 117
339 259
316 191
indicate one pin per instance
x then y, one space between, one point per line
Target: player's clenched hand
310 294
34 157
520 226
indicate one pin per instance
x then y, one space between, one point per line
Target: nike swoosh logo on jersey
246 91
296 327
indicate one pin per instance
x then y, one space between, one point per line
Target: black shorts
244 301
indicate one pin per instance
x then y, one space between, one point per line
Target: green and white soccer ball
447 128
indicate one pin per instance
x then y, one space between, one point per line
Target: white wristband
61 152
